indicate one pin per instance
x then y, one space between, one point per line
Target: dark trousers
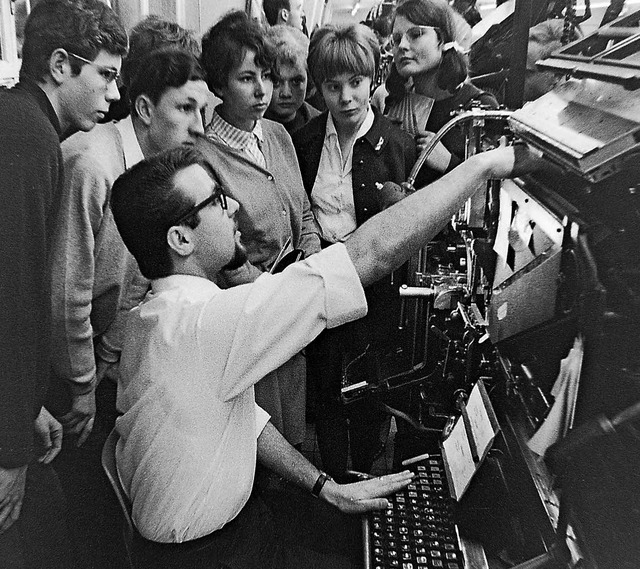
275 530
342 430
94 516
38 540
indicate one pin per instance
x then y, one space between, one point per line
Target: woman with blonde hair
345 154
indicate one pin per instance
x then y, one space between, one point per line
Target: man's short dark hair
272 9
162 69
83 27
155 33
225 45
146 203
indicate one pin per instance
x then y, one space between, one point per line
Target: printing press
535 290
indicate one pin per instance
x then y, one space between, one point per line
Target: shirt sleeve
262 418
258 327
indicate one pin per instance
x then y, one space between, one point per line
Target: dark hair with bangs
162 69
350 49
454 66
145 204
82 27
224 47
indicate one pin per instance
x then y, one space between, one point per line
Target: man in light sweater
95 279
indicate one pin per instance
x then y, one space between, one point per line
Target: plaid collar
220 129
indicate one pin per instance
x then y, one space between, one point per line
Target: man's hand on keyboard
367 495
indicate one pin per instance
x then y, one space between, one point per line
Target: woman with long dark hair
429 78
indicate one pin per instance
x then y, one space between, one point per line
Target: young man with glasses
95 279
58 94
191 432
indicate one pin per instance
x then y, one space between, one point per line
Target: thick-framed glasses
413 34
108 73
217 197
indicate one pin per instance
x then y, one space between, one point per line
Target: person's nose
197 124
404 42
260 88
285 90
113 94
232 207
345 95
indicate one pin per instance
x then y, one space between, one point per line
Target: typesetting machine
537 278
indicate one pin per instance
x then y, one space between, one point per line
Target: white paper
458 458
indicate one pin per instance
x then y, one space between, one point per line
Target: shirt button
284 213
270 178
361 162
362 185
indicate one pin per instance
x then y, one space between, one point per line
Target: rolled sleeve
345 299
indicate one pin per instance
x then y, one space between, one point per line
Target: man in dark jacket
71 58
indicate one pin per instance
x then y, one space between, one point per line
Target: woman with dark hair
256 162
429 78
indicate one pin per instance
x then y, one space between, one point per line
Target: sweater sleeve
81 214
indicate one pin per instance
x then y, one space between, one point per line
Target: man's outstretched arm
277 454
388 239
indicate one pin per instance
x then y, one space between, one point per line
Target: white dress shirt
332 193
193 352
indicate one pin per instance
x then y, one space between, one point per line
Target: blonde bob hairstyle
336 50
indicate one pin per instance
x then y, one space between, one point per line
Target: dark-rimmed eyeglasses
217 197
413 34
108 73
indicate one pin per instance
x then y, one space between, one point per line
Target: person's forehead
247 61
343 77
402 23
196 91
194 181
108 59
295 4
290 70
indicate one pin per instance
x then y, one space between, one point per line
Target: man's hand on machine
367 495
512 161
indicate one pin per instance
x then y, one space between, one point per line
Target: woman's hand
439 158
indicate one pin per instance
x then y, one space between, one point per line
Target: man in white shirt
191 433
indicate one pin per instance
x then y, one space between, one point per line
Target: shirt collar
130 145
232 136
194 286
364 127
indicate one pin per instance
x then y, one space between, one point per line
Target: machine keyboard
417 531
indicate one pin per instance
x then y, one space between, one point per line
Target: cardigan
273 203
385 153
95 278
30 183
273 207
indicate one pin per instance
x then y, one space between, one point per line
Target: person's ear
180 240
59 65
144 109
284 15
